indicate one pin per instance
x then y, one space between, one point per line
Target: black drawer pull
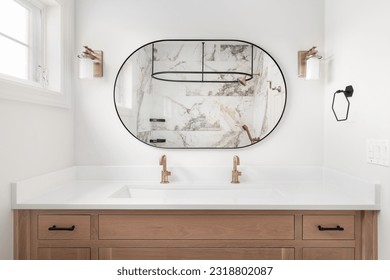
54 227
331 228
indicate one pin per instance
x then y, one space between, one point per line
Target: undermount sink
185 193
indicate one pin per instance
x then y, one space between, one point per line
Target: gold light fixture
309 64
90 63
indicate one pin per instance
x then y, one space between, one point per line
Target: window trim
35 42
37 51
15 89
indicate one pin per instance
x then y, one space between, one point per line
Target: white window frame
34 43
36 54
16 89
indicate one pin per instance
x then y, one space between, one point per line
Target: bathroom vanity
98 213
200 234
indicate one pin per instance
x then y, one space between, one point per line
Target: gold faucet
235 172
164 173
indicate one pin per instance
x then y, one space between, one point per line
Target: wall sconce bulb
90 63
309 64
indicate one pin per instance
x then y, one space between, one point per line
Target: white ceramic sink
180 193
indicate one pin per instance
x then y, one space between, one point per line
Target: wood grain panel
196 227
22 234
64 253
195 234
196 253
328 253
311 223
81 222
370 235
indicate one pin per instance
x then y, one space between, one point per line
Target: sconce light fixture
309 64
90 63
340 108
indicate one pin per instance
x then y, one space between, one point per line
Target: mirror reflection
200 94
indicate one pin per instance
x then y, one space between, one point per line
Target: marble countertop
132 187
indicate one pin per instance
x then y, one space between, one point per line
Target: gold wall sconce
90 63
309 64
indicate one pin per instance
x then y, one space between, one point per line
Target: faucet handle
235 175
164 177
164 173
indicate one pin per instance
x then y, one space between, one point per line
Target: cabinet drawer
328 227
61 227
196 227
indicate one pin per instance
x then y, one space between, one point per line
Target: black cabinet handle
338 228
54 227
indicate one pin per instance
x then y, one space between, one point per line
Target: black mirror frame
201 40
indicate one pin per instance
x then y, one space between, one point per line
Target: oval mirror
200 94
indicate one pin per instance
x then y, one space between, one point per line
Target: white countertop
133 187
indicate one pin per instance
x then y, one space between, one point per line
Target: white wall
118 27
34 140
357 53
37 139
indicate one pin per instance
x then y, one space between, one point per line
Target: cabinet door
328 253
196 253
64 253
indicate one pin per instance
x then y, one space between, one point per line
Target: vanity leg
22 234
369 235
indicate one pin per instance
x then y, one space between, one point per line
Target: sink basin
173 193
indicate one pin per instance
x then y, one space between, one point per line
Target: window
36 43
21 40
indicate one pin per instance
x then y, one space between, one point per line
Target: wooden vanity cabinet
194 234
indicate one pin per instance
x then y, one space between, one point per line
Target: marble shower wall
201 114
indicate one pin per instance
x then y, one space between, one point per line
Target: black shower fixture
205 76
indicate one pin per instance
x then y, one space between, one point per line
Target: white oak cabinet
195 234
